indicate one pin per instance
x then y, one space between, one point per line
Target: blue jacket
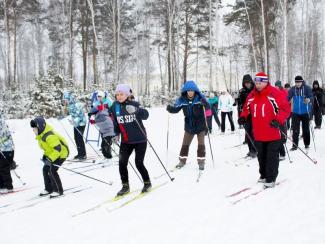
6 142
129 125
298 96
195 121
76 111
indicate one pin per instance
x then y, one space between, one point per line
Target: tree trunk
265 39
71 40
210 46
252 36
186 43
285 77
7 27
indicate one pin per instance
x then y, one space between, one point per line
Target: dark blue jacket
195 121
128 124
298 96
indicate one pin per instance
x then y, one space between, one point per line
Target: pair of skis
107 203
251 191
31 202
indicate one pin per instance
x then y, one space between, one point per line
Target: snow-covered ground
183 211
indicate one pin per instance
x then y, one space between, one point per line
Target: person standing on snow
225 106
318 104
213 102
283 128
78 120
104 123
6 157
287 88
269 109
301 95
194 104
248 86
56 151
128 116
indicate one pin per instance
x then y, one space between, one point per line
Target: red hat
261 77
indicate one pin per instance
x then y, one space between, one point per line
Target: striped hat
261 77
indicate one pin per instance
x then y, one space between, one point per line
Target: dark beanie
286 85
247 78
278 83
299 78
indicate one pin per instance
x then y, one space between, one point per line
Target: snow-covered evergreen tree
47 95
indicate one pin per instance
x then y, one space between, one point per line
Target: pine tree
47 95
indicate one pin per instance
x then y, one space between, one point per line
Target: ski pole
73 142
311 126
87 176
206 125
285 146
250 138
88 142
136 120
15 173
167 143
313 160
118 154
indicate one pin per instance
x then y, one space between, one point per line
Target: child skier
128 116
6 157
193 103
104 123
56 152
78 120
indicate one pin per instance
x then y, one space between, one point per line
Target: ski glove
306 100
275 124
46 161
116 139
131 109
169 108
241 121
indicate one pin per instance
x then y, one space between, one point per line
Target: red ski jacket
264 106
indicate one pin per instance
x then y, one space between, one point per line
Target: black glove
46 161
169 108
275 124
241 121
89 115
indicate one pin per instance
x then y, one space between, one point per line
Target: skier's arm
284 110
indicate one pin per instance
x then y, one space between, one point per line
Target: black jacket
318 96
129 125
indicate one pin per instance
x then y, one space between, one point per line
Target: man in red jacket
269 109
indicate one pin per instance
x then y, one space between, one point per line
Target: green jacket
53 145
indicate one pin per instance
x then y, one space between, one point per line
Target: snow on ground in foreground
182 211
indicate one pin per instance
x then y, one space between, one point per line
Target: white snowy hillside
226 206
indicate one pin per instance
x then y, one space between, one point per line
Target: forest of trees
158 44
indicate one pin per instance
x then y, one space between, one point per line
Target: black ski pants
51 177
318 117
124 155
6 159
78 138
249 137
304 119
223 121
106 146
268 159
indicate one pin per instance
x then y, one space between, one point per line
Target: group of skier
263 111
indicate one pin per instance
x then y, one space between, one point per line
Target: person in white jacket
225 105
